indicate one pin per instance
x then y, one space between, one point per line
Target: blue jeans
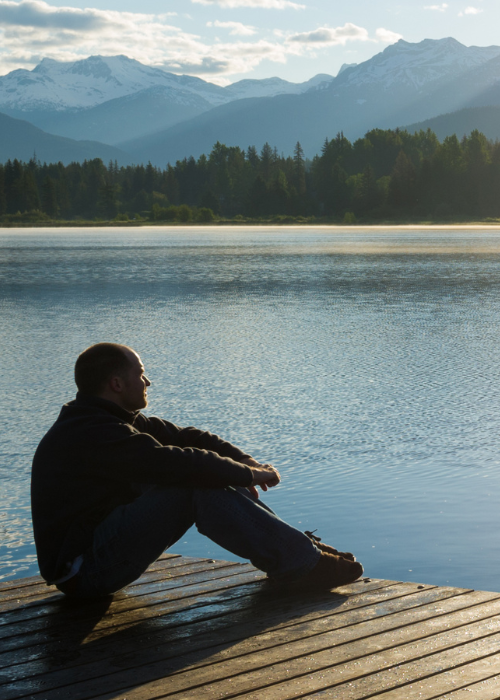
134 535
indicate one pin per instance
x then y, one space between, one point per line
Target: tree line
387 174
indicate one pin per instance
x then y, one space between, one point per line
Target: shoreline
472 226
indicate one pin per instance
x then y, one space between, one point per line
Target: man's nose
146 380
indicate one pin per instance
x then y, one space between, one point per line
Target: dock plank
181 624
242 638
192 629
362 647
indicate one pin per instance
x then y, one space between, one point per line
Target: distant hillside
20 139
115 120
485 119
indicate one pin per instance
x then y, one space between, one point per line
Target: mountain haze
484 119
20 139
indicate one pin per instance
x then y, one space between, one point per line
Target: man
112 489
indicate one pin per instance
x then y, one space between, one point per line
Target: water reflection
365 365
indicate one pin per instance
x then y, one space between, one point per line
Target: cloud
341 35
330 35
437 8
235 28
385 36
34 13
32 29
470 11
261 4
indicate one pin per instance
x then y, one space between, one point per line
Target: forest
389 175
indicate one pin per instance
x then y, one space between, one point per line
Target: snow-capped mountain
269 87
57 86
418 65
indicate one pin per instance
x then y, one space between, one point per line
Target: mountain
485 119
140 113
402 84
20 139
59 86
115 98
158 116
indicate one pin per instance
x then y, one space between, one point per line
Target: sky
223 41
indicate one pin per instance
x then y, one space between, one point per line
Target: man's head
114 372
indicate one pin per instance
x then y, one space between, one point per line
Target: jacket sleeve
170 434
125 452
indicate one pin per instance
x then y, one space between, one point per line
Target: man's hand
264 475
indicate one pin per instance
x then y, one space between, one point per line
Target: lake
363 363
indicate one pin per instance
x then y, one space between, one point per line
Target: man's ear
116 384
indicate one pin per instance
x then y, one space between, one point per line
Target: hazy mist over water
363 363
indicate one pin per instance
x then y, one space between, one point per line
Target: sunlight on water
364 364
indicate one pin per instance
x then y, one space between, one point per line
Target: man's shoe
331 571
328 548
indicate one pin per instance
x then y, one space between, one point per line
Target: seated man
112 489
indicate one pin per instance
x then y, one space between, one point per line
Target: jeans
134 535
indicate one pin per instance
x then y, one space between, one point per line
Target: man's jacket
97 456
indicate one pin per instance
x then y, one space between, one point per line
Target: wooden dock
202 629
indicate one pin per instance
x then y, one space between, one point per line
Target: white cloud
331 35
32 29
261 4
437 8
235 28
341 35
385 36
34 13
470 11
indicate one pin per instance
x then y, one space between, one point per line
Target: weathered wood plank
166 570
188 670
238 626
19 583
150 594
299 668
235 612
194 629
362 678
223 592
10 600
487 689
478 679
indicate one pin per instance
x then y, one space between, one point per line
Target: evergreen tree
299 170
257 202
266 162
402 187
3 199
49 197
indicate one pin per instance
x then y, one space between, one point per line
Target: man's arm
170 434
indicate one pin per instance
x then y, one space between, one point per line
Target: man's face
135 384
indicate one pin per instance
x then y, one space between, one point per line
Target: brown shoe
331 571
328 548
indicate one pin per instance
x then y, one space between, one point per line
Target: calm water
364 364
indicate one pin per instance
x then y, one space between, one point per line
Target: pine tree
299 170
49 197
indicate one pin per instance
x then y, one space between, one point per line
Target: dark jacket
94 458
